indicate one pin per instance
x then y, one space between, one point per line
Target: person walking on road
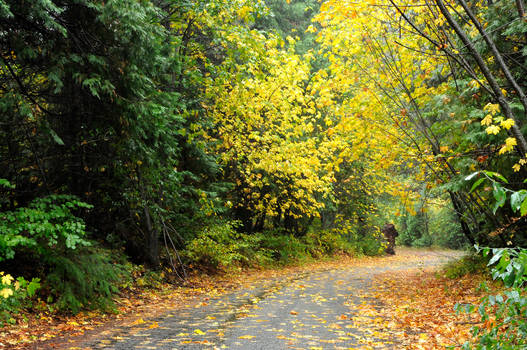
390 233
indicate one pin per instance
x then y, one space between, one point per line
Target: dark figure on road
390 233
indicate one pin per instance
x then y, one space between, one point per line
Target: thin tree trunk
521 13
506 109
464 226
496 53
152 234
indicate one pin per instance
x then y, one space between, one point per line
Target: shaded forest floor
409 304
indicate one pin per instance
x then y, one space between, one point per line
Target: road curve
317 310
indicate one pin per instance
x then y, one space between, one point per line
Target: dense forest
210 134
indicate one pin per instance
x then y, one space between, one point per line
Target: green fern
85 280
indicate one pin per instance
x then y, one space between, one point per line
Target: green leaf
517 199
56 137
7 184
5 10
476 184
498 253
523 208
496 176
500 195
33 286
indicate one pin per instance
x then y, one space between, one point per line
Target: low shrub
329 242
469 264
46 226
503 316
219 246
49 233
86 279
285 248
15 294
370 246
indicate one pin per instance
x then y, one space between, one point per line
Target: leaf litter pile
403 307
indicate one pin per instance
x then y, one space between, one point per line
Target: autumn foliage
220 135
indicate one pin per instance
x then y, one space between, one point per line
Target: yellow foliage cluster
385 72
6 281
271 125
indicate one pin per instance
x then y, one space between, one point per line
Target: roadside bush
412 229
15 294
470 264
48 233
370 246
424 241
86 279
502 315
284 248
329 242
219 246
46 226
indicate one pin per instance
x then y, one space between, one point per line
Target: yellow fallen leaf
294 313
199 331
138 321
247 337
154 325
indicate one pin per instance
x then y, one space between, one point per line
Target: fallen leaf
247 337
138 321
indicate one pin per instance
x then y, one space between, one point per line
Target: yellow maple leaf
510 142
487 120
507 124
493 129
7 279
6 292
492 108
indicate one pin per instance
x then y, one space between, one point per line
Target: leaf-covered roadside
420 306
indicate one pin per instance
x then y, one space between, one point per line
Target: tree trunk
496 89
464 226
